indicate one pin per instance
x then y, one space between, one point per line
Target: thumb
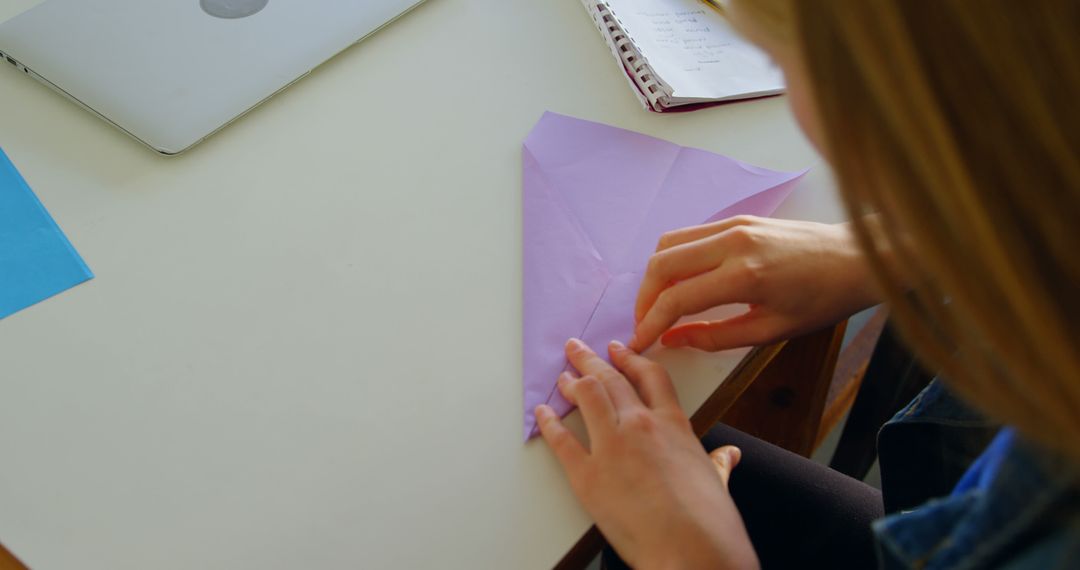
747 329
725 459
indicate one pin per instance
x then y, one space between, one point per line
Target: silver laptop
172 72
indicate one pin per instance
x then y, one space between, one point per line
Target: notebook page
695 51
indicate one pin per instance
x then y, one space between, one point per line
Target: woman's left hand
657 497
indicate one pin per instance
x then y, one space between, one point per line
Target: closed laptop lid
171 72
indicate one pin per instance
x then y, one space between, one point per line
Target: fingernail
564 378
575 344
543 411
616 345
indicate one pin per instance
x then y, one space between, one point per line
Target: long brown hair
955 124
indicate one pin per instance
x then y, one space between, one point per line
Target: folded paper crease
595 201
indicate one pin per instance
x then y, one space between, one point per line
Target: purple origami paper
596 199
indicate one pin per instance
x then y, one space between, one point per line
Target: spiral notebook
682 54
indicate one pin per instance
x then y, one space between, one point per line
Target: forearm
855 270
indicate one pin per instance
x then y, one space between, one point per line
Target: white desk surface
302 347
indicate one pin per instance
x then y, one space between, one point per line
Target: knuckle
669 303
746 219
652 370
666 240
610 376
638 366
742 236
604 379
639 420
749 273
588 384
657 264
677 416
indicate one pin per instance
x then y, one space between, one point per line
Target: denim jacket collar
1011 491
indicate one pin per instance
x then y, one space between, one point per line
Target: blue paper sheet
36 260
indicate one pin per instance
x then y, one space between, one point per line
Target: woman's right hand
643 477
796 276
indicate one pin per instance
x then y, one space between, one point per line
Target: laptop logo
232 9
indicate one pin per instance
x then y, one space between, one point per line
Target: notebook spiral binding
652 91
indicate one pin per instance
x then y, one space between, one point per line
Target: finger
748 329
694 233
725 459
592 399
649 378
588 362
566 447
676 264
689 297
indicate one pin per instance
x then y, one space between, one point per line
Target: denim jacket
1016 506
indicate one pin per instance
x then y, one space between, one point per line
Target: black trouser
799 514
